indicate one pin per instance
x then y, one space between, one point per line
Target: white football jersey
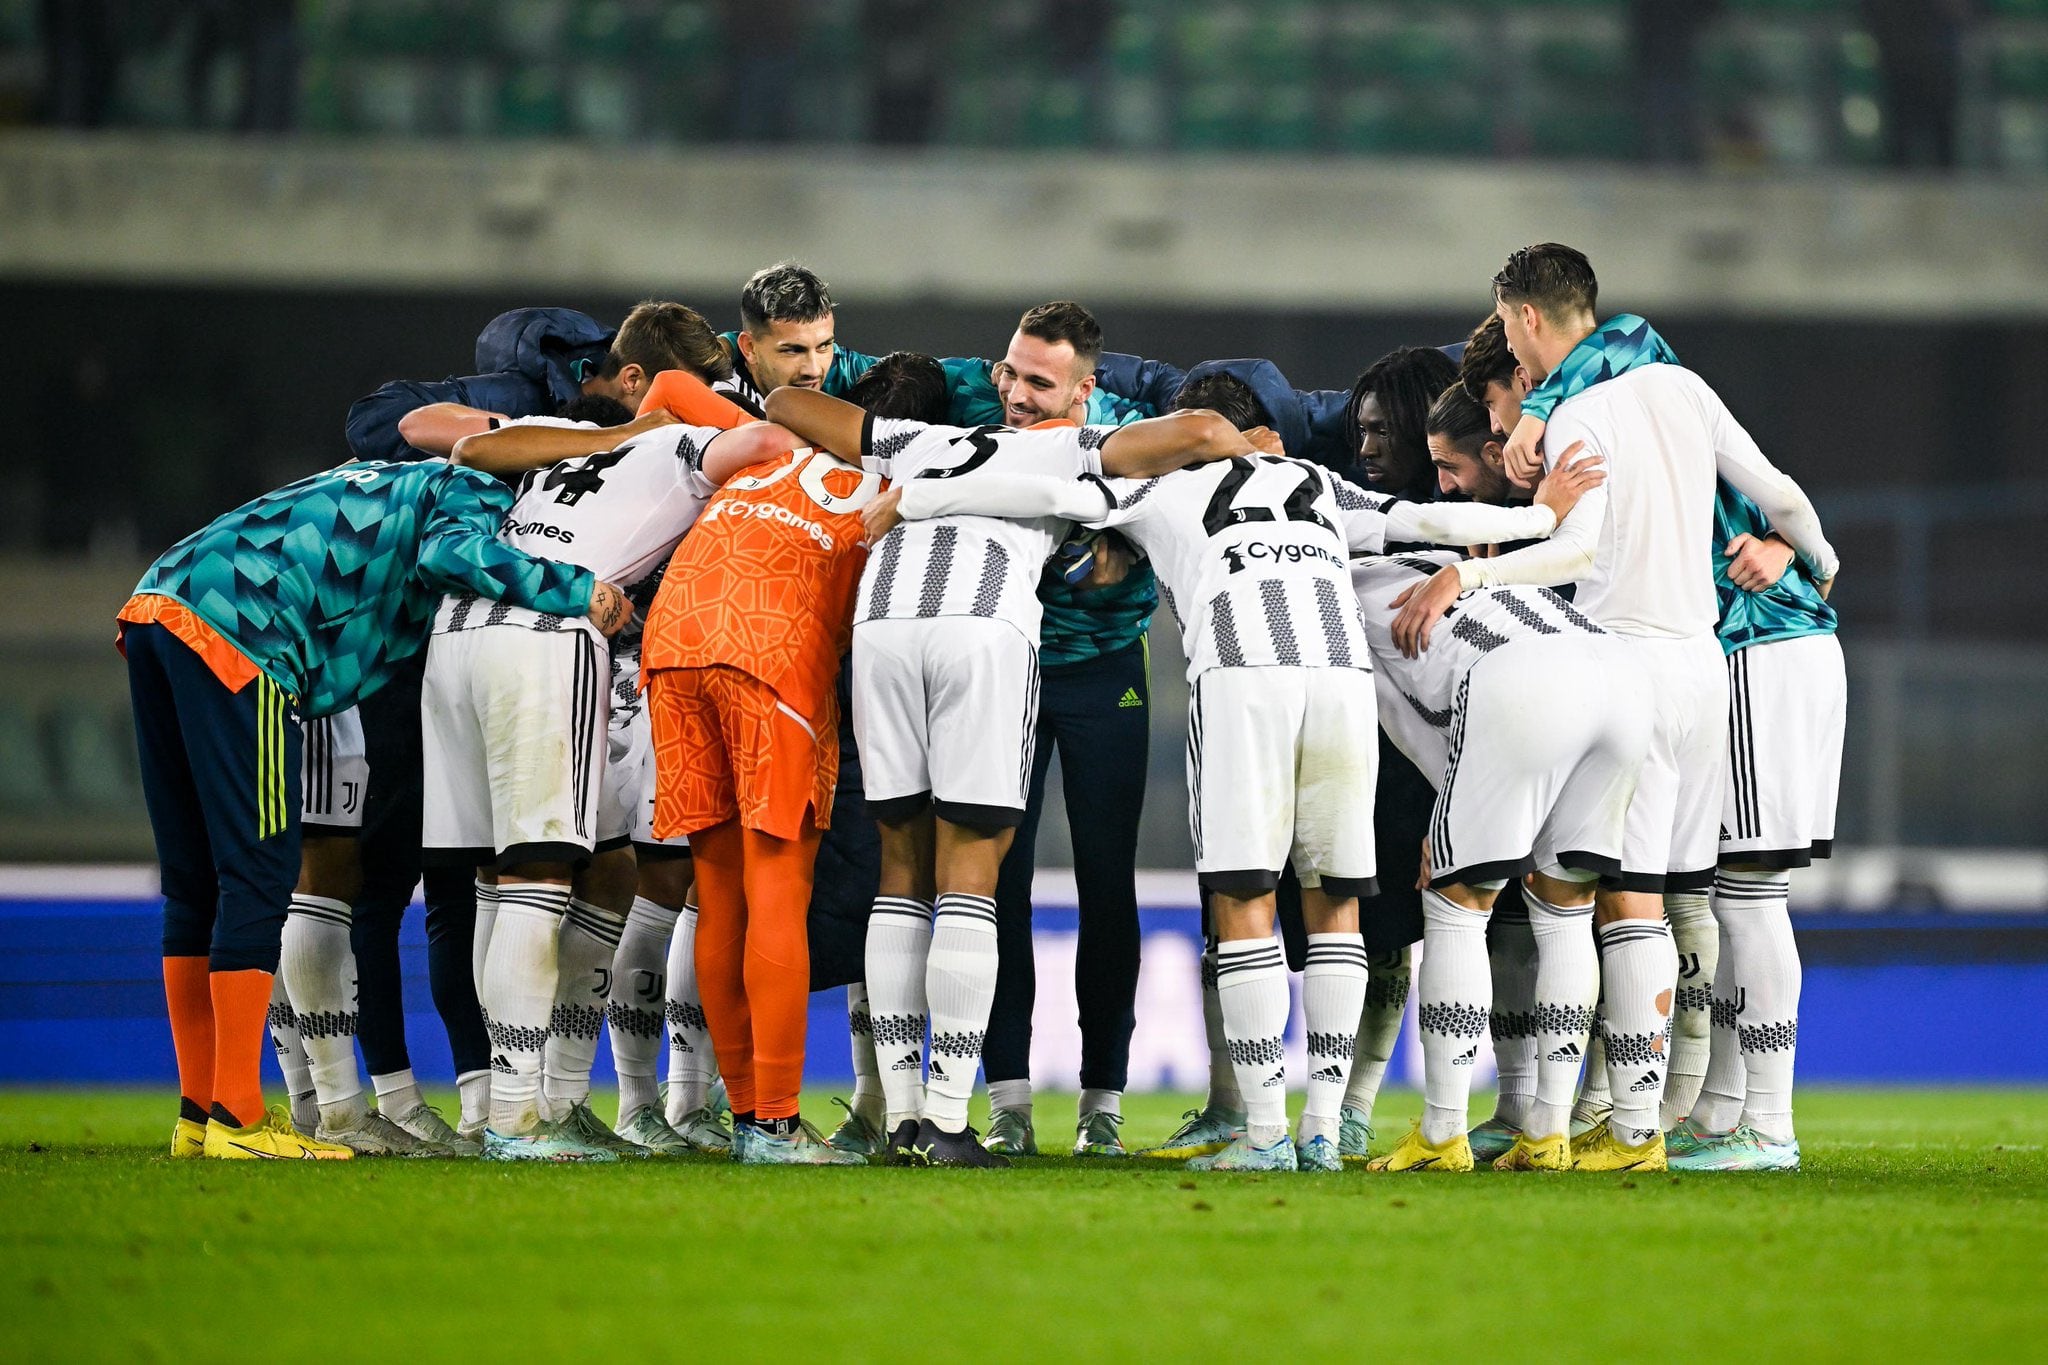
618 513
967 565
1417 696
1251 553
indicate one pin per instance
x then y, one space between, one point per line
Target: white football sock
1719 1107
1511 958
692 1063
486 918
398 1093
1593 1102
1767 1000
1102 1102
290 1051
1697 940
1251 987
1567 984
583 978
1379 1025
473 1098
1454 991
1639 973
867 1074
960 983
1011 1095
519 998
1223 1092
899 944
1332 999
319 972
638 993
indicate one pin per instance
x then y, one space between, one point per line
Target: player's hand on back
1569 480
1756 565
1113 562
882 514
609 608
1422 606
1266 440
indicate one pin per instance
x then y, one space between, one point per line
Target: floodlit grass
1916 1230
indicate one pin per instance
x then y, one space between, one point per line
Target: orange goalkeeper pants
754 960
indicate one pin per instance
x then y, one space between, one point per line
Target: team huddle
689 674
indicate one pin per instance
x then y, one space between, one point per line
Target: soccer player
743 650
945 674
786 337
1534 723
1281 723
1638 547
514 709
305 599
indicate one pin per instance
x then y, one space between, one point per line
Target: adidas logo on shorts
1129 699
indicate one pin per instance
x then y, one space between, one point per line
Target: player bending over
305 600
1532 722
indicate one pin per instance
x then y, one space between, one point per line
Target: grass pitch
1916 1230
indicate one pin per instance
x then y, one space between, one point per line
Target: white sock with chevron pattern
1251 988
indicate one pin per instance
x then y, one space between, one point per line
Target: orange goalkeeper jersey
765 581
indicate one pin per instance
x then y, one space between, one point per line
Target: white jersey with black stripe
618 513
1418 696
1252 553
967 565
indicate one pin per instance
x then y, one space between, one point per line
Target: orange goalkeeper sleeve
691 400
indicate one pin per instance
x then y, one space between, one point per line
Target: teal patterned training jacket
1790 608
329 583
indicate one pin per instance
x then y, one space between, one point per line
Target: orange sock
191 1006
778 964
721 957
241 1003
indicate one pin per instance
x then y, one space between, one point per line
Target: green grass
1917 1229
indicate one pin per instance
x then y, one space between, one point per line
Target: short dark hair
1407 381
1224 393
659 336
1065 320
903 384
783 292
1458 418
1487 359
1557 279
596 409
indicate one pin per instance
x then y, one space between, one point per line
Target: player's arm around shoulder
513 450
821 420
743 447
1160 445
460 552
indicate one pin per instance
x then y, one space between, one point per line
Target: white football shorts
1282 767
514 741
1788 703
1547 741
945 711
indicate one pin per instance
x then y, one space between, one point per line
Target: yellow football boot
1412 1153
1600 1150
272 1138
188 1139
1552 1153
